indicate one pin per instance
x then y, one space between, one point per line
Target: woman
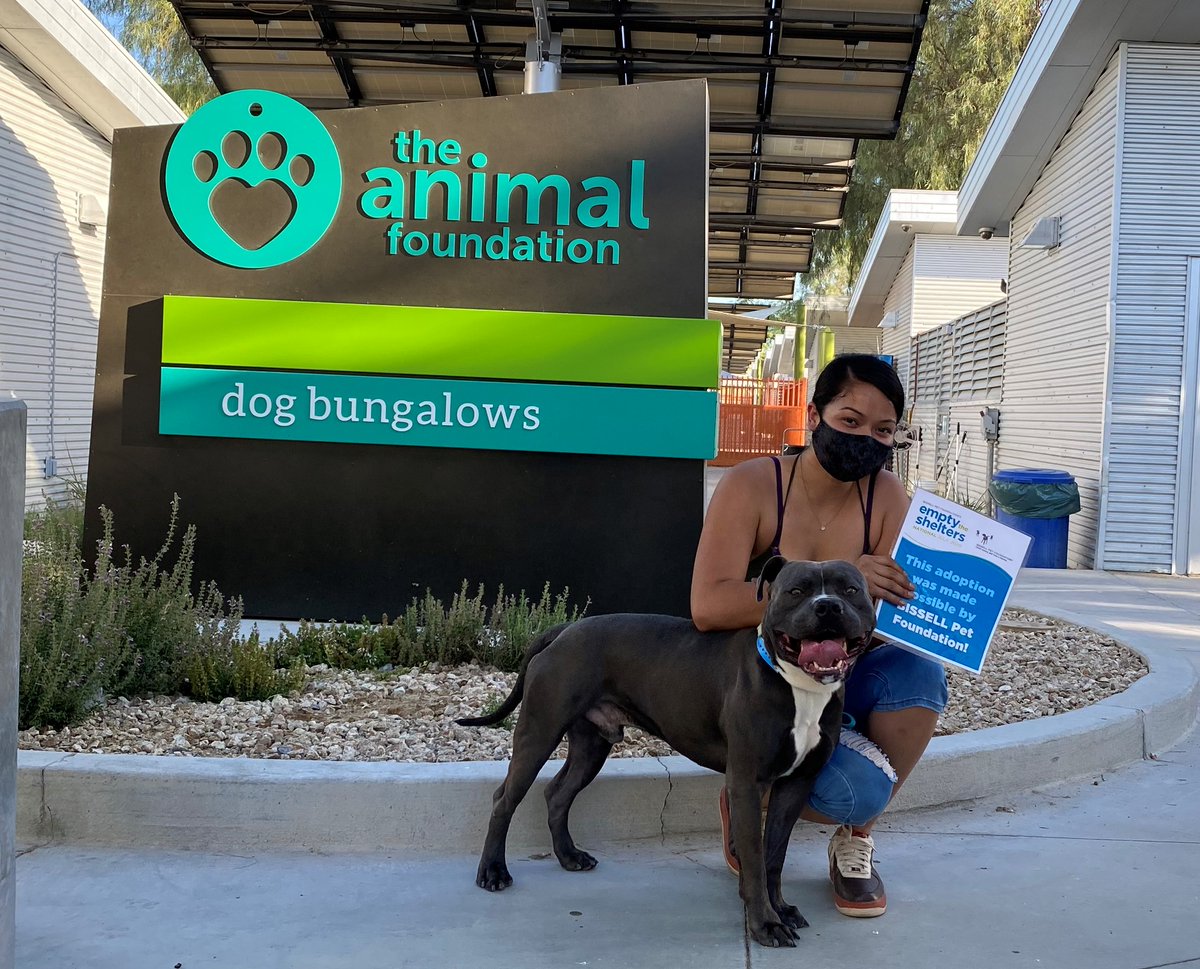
832 501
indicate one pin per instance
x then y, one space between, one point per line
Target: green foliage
122 627
152 31
969 52
134 627
245 668
429 632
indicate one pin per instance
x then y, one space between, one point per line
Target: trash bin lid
1034 476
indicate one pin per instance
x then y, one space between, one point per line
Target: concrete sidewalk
1095 875
1092 874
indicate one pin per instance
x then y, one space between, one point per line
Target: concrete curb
173 802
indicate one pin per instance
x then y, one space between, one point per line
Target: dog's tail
514 698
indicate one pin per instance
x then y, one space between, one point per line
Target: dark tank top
781 496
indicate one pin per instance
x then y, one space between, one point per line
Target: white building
917 277
1093 160
65 84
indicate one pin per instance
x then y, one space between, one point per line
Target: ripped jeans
857 783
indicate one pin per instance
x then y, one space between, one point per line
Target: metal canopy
743 338
793 85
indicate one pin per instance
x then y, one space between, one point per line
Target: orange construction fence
758 417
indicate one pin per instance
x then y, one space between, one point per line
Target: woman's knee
890 678
855 786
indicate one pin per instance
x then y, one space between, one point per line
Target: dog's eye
796 592
851 590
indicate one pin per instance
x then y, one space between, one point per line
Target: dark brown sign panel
338 530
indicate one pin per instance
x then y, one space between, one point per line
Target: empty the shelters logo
261 142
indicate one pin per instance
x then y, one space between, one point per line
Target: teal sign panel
474 414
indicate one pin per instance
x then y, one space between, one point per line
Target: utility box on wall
455 351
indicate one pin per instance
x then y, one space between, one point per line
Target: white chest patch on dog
810 698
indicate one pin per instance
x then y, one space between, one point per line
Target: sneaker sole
860 910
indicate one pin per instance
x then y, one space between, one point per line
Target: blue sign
963 565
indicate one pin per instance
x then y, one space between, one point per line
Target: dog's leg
788 797
745 808
532 747
586 754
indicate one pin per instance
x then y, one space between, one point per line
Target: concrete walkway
1092 874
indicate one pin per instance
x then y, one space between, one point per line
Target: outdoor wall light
1043 235
91 211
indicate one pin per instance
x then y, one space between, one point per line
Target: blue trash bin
1040 494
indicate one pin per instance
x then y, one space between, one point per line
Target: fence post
12 514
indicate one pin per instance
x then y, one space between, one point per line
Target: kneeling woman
832 501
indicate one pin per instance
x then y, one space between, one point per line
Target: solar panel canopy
793 87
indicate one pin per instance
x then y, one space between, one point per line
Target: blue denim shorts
889 678
857 783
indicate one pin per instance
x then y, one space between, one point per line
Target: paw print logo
253 138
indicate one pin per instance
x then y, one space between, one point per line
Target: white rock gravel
1036 667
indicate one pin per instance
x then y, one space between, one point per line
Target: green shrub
245 668
134 627
118 628
428 632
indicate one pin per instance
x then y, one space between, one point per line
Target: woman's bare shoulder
890 493
755 476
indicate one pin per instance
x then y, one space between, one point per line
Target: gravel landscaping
1036 668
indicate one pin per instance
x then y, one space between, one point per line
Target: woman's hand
885 579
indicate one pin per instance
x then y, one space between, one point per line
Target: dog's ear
769 571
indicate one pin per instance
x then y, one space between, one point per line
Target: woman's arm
721 596
885 579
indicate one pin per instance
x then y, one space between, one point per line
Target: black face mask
848 457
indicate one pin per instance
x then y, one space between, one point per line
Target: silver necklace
812 507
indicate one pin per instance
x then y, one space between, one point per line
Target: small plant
244 668
428 632
493 703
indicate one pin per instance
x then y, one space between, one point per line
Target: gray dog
762 708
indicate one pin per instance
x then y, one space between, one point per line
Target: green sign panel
443 342
490 415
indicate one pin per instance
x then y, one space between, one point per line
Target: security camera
986 232
905 227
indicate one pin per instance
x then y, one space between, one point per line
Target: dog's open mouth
825 660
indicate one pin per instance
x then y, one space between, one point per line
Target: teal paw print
253 137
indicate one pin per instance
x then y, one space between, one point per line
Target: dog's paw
577 860
790 916
773 935
493 877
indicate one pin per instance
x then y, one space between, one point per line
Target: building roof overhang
74 54
906 214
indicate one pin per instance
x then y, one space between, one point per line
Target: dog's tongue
824 653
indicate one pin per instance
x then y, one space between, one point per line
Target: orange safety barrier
758 417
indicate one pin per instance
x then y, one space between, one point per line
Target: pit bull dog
763 708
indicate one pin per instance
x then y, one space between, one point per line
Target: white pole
12 514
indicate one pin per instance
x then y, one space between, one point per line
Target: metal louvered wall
957 370
1158 230
50 270
1052 406
954 275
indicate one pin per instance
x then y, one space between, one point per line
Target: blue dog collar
766 657
848 722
